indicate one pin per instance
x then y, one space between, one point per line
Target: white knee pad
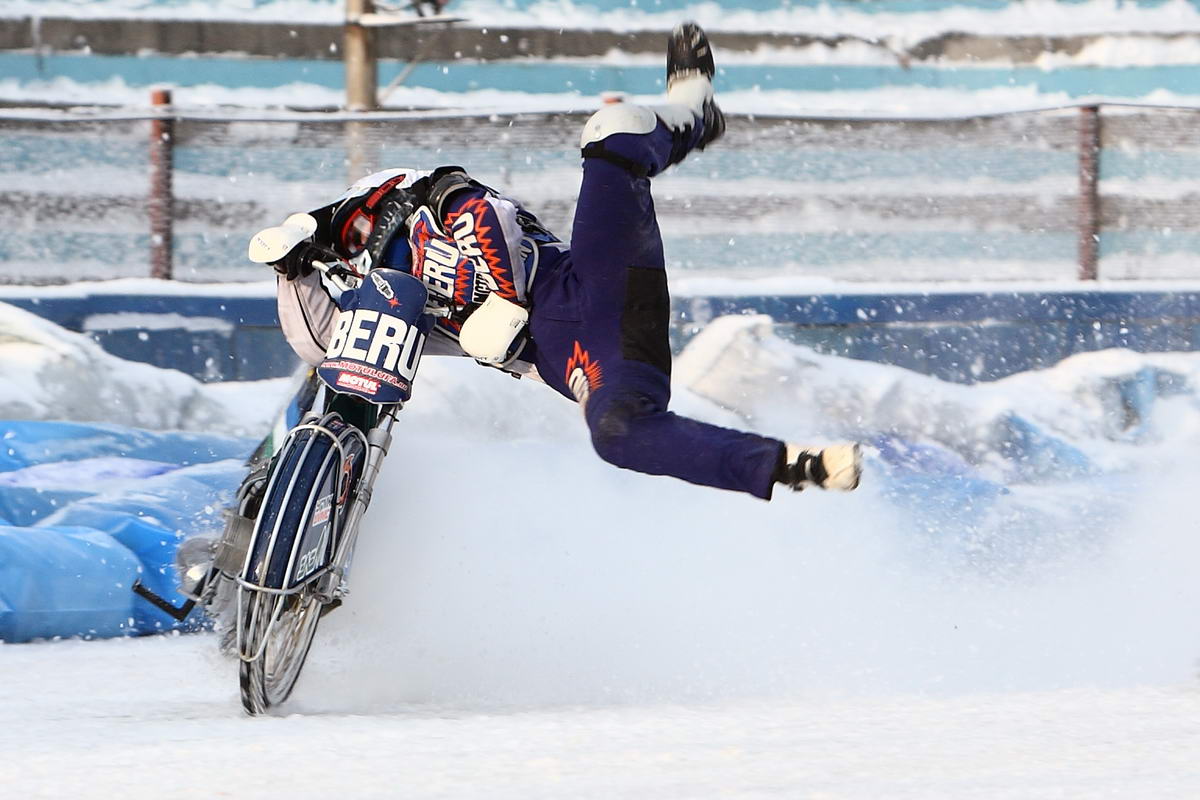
617 118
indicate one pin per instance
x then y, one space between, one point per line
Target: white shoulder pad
491 329
617 118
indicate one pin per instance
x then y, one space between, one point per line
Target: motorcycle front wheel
282 629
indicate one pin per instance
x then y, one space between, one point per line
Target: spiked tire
283 627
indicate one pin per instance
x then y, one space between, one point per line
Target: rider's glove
298 262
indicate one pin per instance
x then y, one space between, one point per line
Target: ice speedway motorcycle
283 559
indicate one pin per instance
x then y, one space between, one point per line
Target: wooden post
1089 192
161 200
358 54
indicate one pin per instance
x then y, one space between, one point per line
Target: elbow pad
488 334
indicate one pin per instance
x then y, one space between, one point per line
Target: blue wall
232 338
971 336
958 336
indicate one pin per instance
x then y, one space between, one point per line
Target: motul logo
363 384
378 339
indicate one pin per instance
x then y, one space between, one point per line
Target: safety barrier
69 556
959 335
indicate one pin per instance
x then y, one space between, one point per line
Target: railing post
1089 193
358 54
161 200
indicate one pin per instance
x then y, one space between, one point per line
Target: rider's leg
618 358
613 353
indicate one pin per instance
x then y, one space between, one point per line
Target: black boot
689 55
837 466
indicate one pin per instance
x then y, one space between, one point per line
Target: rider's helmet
357 211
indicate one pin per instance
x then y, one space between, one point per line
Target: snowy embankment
1017 480
105 465
977 620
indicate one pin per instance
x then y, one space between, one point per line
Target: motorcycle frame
325 583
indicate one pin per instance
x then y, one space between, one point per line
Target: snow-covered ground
153 718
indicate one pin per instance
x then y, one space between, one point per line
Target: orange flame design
477 207
580 359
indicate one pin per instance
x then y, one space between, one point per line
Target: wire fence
1048 195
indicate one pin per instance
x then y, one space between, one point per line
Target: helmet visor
355 232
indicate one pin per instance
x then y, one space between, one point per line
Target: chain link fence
1029 196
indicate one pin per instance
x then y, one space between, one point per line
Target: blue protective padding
146 520
154 547
934 483
64 582
24 442
1135 397
185 501
28 505
1037 455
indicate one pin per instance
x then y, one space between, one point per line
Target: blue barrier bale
64 581
27 442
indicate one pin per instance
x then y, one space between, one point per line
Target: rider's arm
486 231
307 314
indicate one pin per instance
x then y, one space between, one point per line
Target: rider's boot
837 466
690 70
645 140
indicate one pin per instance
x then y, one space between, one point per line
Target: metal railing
1079 192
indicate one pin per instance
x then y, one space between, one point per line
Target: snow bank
47 372
957 565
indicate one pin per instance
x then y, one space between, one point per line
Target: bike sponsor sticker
308 563
382 285
347 475
355 368
360 383
321 512
383 341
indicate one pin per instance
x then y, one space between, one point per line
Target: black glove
298 262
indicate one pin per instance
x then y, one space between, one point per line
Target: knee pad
611 425
617 118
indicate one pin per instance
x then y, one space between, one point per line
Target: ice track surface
91 720
526 621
